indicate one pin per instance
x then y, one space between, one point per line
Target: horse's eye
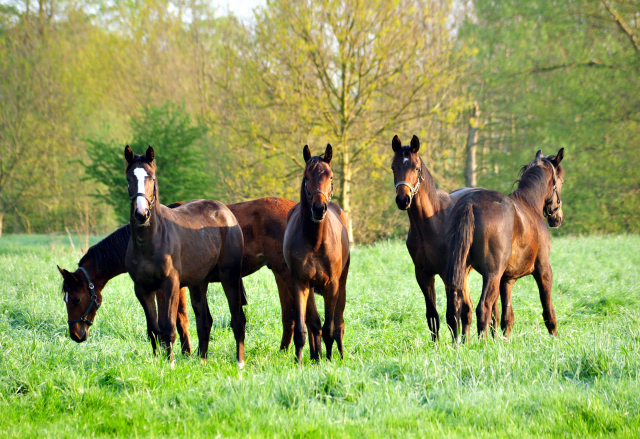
76 301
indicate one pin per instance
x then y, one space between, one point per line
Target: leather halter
94 302
143 195
413 189
318 191
547 213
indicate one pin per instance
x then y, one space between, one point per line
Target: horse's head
407 171
554 176
141 179
317 183
82 299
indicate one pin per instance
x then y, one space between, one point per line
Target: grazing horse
504 237
316 250
83 288
429 210
263 222
192 245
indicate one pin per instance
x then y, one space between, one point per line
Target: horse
83 288
428 209
262 221
192 245
504 238
316 250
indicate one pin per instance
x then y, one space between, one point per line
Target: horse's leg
495 318
231 281
338 329
314 327
169 313
508 318
286 305
544 278
330 294
466 314
490 293
150 314
427 285
182 323
204 321
300 297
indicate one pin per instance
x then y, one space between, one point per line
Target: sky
240 8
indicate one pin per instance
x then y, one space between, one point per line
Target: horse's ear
559 157
415 144
150 154
66 274
396 144
328 153
128 154
306 153
538 155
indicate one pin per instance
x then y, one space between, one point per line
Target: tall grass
393 381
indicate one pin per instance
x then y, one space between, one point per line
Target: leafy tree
180 161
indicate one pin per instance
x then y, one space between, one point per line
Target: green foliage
179 154
393 382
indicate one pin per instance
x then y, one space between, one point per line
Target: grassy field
393 381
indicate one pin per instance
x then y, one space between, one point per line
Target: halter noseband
413 189
94 302
143 195
318 191
547 213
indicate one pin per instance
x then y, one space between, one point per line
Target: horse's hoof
203 361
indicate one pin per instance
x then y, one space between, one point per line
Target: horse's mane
107 256
532 180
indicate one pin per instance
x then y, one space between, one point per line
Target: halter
94 302
140 194
318 191
414 189
547 213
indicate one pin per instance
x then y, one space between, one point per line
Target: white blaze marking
405 160
141 174
66 297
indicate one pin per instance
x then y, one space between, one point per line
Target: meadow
393 382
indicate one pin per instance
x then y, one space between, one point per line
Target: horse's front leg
204 321
234 290
427 285
149 307
506 323
544 278
300 297
314 327
330 294
169 313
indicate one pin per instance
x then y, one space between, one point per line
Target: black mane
107 256
533 181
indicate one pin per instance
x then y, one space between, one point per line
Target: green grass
393 381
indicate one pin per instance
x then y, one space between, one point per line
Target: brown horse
429 210
316 250
505 238
83 288
263 222
192 245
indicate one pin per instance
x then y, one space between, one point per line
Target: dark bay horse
263 222
83 288
428 209
504 237
316 250
192 245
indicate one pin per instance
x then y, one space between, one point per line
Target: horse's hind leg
466 313
544 278
508 318
338 330
490 293
169 313
203 316
231 281
182 323
314 328
286 305
330 294
427 285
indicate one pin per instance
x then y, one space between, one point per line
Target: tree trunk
346 179
1 218
472 141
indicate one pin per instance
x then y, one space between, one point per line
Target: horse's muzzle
78 332
403 201
318 211
141 217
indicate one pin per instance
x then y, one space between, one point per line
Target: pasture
394 381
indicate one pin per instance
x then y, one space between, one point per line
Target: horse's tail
459 240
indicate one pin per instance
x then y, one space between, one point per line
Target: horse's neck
315 233
141 236
425 203
101 275
523 198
